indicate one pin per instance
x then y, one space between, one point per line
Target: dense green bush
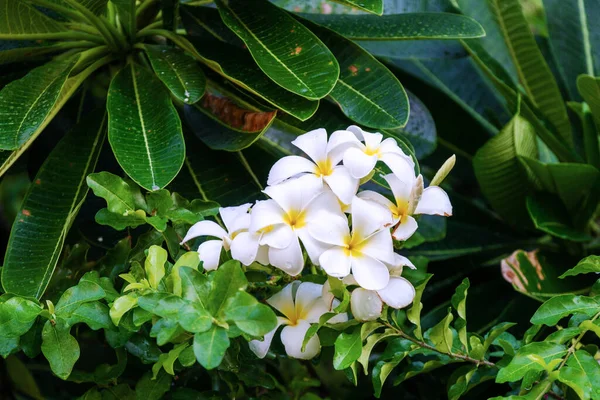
246 235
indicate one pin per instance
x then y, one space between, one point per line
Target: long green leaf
574 37
25 104
589 87
53 200
126 13
144 129
534 73
366 90
282 47
499 173
19 20
372 6
400 26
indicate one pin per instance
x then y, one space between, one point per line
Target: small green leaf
414 313
249 315
95 315
191 259
194 285
282 47
179 72
144 129
590 264
441 335
372 6
118 194
582 374
148 388
121 306
348 348
155 265
563 335
558 307
17 316
459 300
59 347
227 281
372 341
522 362
166 331
495 332
210 347
194 318
88 289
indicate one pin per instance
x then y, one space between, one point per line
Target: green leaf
414 313
155 265
549 215
282 47
372 6
194 285
459 302
127 15
372 341
380 372
367 92
59 347
348 348
563 336
499 172
573 36
143 128
17 316
495 332
121 306
27 102
148 388
21 21
227 280
590 264
416 368
131 219
190 259
249 315
582 374
163 304
194 318
441 335
589 88
166 331
400 26
522 362
49 208
169 359
210 346
589 132
118 194
556 308
8 346
460 381
95 315
22 379
534 74
87 290
179 72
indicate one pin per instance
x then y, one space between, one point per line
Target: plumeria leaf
210 346
59 347
49 208
23 21
282 47
144 129
372 6
558 307
348 348
178 71
249 315
590 264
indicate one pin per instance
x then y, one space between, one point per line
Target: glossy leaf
22 21
249 315
590 264
195 286
59 347
582 374
121 306
27 102
372 6
143 128
534 73
414 313
17 316
400 26
49 208
155 265
228 279
88 289
210 346
573 37
282 47
559 307
591 141
179 72
589 88
499 172
194 318
522 362
348 348
441 335
94 314
127 15
459 302
550 216
367 92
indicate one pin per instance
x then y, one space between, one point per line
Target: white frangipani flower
325 158
365 251
244 245
410 199
301 304
360 158
283 220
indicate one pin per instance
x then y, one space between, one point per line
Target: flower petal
398 265
308 296
379 246
205 228
401 166
324 202
244 247
313 143
365 304
434 201
288 167
367 218
314 248
265 213
338 143
370 274
283 301
400 189
236 218
399 293
342 184
358 163
292 338
262 256
329 228
261 347
279 236
405 228
357 131
372 140
288 259
294 194
335 262
210 253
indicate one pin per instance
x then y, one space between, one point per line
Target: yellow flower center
295 219
324 168
372 151
400 210
353 246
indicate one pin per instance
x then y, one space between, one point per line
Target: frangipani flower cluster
309 199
